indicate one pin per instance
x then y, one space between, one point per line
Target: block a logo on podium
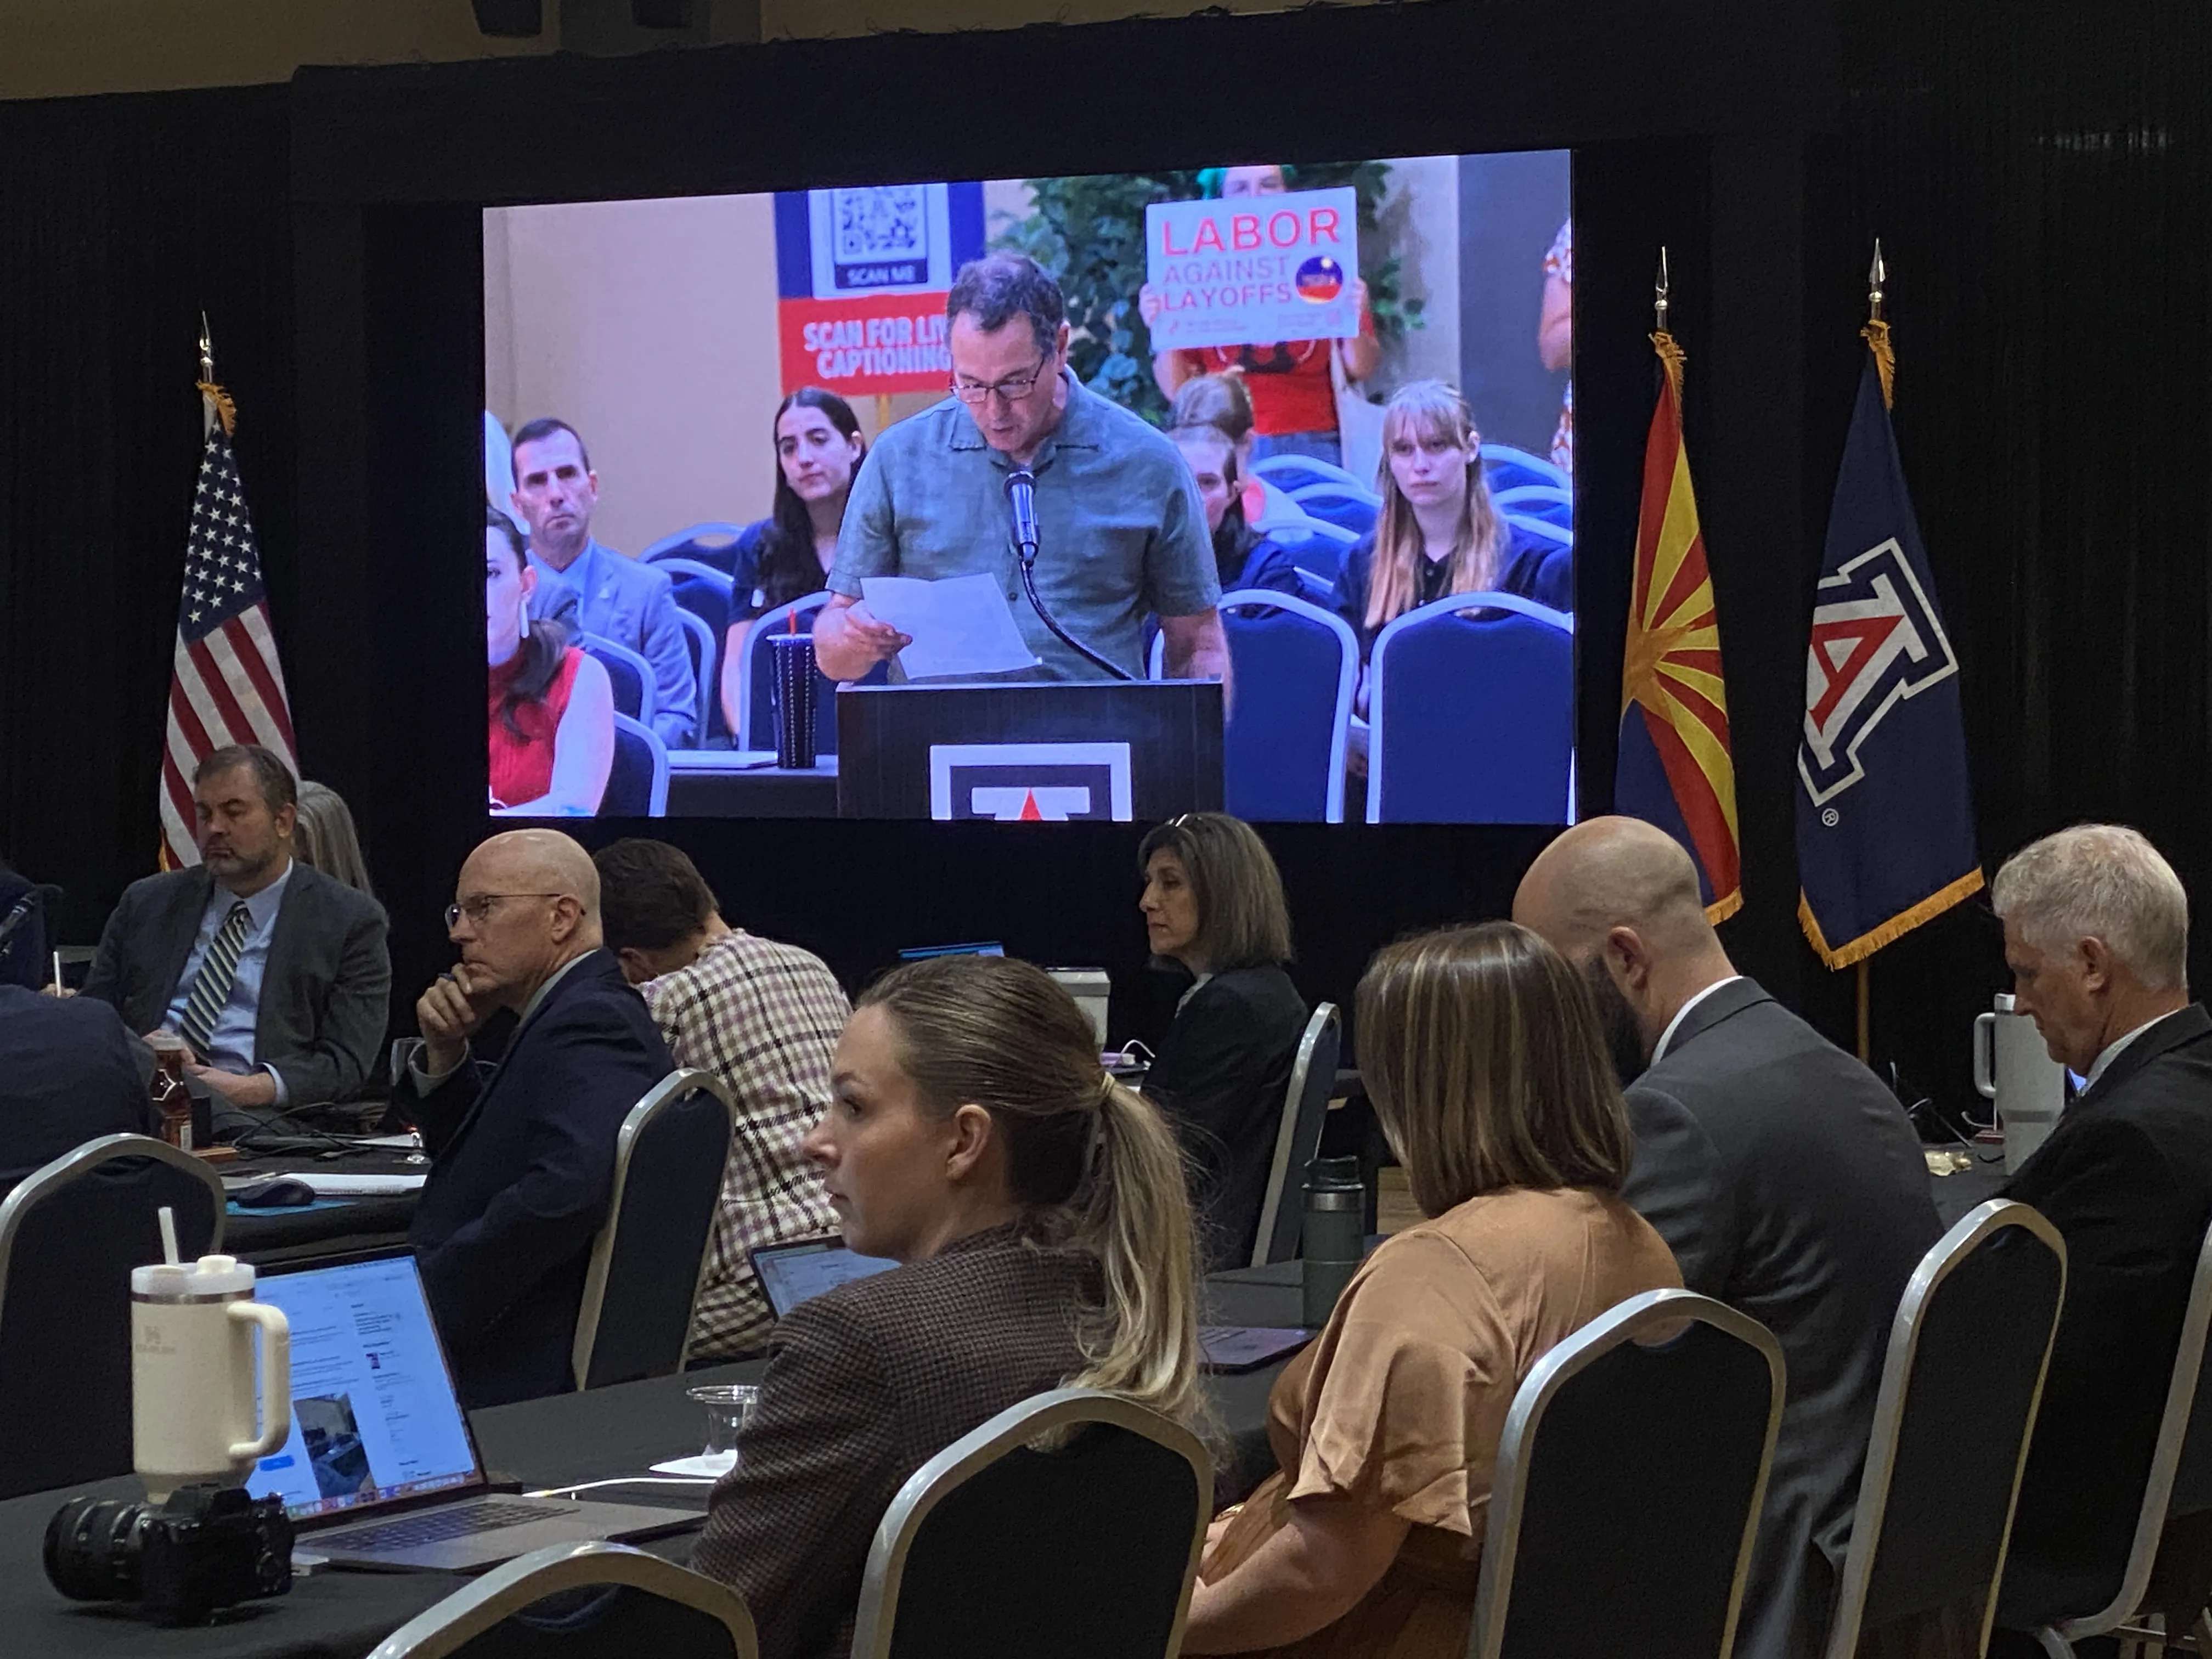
1030 782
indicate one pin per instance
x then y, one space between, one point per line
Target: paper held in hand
1254 269
960 625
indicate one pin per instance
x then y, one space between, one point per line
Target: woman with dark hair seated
552 708
787 555
1037 1210
1213 904
1480 1049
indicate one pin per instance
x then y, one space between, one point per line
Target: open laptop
380 1470
789 1273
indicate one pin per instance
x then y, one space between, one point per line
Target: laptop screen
789 1273
374 1412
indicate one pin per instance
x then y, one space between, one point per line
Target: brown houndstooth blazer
866 1383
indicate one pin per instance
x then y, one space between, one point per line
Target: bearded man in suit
274 974
1787 1180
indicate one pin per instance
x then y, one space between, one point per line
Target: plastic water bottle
1335 1233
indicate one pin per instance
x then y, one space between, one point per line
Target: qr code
887 222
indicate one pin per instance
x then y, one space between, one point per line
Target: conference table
554 1442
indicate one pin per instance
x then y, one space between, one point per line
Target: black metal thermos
1336 1210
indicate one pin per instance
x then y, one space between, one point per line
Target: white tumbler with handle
195 1412
2013 1068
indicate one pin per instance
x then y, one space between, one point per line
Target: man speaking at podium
1120 530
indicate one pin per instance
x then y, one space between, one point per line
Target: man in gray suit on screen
1787 1179
591 589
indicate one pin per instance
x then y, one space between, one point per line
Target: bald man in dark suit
1785 1178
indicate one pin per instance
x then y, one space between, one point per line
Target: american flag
227 686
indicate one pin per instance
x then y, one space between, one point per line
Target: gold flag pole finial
219 405
1876 332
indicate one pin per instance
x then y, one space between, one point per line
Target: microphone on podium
1021 497
1021 502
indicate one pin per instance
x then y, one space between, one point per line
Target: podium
1051 751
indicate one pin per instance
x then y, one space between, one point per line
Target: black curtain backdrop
2035 172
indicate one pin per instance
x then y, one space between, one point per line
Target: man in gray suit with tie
1785 1178
592 589
275 975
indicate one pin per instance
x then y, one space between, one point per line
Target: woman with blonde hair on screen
1480 1051
1439 533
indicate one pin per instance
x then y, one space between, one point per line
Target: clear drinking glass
729 1406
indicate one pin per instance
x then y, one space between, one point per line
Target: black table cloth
574 1437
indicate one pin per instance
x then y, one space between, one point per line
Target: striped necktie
212 987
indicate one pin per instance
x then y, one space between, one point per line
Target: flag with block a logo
1885 813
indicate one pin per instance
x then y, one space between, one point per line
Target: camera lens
92 1549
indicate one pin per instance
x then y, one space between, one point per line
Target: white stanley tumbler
193 1403
2013 1068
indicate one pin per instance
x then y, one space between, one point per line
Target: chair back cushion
1309 1110
1277 747
1078 1552
1983 1332
1638 1479
671 1188
65 1317
619 1619
1476 718
629 782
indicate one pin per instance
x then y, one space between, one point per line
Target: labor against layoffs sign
1254 269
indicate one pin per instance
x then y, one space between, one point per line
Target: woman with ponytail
1481 1051
1038 1212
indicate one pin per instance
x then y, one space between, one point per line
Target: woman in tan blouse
1481 1052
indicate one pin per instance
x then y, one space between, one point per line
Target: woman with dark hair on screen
1036 1208
787 555
551 712
1213 905
1481 1051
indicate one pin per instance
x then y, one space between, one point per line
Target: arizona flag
1676 768
1885 817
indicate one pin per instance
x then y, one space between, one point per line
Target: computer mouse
275 1192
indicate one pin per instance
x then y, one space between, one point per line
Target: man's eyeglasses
1012 389
478 908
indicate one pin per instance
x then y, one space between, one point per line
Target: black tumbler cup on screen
796 684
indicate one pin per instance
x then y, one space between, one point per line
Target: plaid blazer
764 1018
866 1383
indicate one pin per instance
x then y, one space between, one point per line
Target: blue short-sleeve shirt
1121 531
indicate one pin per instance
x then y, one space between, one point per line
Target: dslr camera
209 1547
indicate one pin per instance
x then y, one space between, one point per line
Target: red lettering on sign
1284 228
1324 225
1209 236
1244 232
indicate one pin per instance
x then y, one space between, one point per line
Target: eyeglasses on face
477 906
1011 390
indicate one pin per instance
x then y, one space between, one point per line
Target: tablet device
1232 1348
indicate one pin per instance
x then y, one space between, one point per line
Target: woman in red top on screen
551 714
1293 398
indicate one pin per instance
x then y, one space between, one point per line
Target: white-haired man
2096 933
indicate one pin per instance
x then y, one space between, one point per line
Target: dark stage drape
2038 173
121 220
